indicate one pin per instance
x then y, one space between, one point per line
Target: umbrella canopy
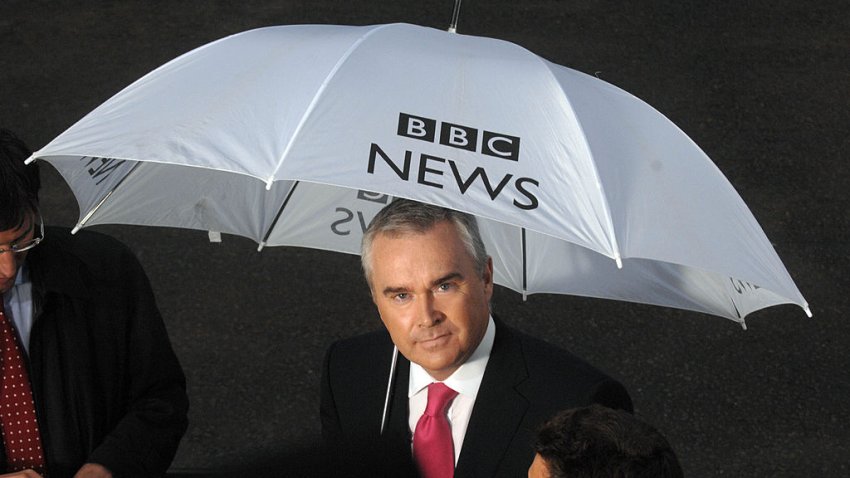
297 135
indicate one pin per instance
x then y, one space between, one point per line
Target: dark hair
19 183
404 216
596 441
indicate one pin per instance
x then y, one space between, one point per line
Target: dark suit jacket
526 382
107 385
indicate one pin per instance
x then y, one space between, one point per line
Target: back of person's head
404 216
19 183
596 441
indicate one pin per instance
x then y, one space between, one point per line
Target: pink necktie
433 448
21 438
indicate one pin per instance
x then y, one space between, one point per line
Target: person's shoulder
84 243
556 366
366 353
537 349
375 340
97 252
556 359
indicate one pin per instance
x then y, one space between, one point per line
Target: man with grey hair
467 389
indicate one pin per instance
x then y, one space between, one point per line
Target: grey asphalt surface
761 86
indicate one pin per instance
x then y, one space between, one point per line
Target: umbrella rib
278 215
103 200
345 56
524 269
455 15
738 313
609 221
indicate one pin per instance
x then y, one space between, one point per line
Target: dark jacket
526 382
107 385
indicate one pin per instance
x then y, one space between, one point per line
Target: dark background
761 86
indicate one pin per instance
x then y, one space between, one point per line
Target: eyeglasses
23 246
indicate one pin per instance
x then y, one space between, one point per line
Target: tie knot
440 397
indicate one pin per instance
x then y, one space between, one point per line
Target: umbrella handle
389 389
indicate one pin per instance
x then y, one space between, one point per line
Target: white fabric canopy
278 133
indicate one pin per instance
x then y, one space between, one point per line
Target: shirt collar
23 276
20 292
466 380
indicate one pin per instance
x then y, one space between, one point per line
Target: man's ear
487 277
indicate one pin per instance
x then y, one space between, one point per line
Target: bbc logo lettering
417 128
459 136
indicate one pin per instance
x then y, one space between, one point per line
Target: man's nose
430 313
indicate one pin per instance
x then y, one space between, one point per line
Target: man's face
10 262
538 468
430 296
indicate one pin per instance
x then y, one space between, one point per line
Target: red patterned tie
433 448
21 438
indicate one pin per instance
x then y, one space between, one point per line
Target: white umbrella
279 133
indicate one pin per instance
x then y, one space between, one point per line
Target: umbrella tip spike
30 159
76 229
743 325
807 310
269 183
261 246
619 262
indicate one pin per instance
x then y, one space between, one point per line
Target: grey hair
404 216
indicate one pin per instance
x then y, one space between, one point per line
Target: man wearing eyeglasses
91 385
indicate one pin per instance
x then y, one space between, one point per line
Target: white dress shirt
18 304
466 380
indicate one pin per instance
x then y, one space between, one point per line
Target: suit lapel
498 411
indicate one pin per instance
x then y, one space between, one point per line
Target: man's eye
444 287
401 297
